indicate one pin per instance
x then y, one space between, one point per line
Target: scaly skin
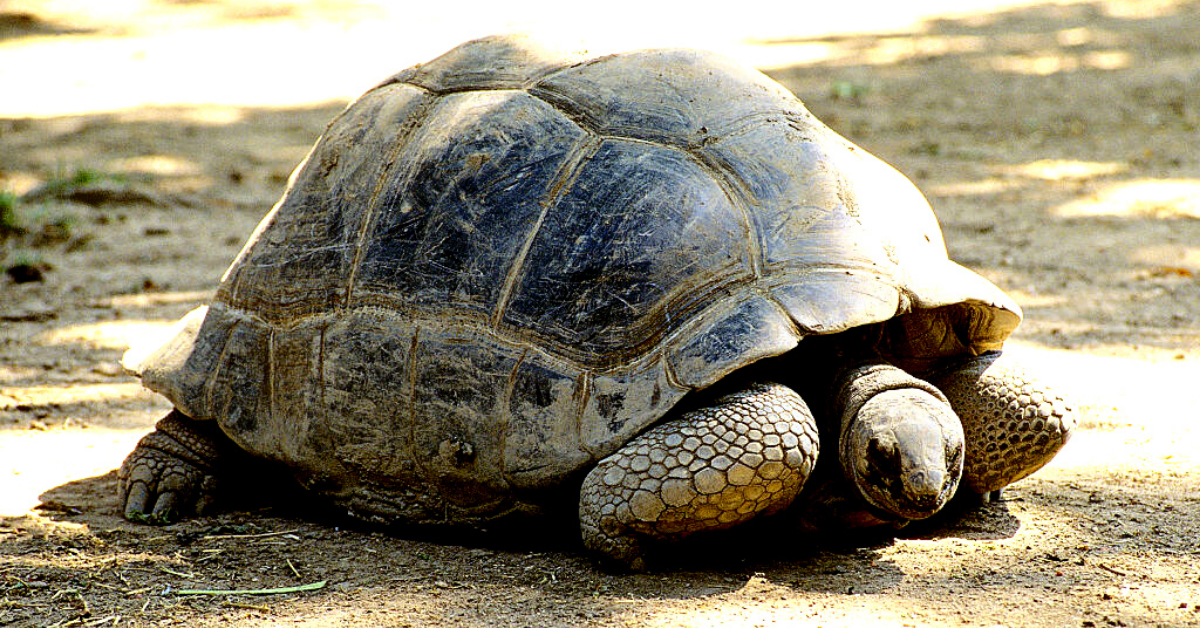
712 468
1014 424
171 473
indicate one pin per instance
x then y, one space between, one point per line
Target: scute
635 247
542 442
505 62
316 225
467 191
617 405
498 267
805 202
683 97
716 346
180 366
362 428
458 420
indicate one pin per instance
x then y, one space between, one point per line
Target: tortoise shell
496 268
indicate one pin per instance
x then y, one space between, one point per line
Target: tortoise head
904 452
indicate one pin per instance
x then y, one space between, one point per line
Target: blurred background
127 53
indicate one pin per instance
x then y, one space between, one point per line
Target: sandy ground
1057 143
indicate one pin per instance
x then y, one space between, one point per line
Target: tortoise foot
970 500
712 468
171 473
1014 423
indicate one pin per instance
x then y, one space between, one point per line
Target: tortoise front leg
712 468
1014 424
173 470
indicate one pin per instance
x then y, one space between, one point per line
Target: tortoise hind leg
1014 423
174 471
709 469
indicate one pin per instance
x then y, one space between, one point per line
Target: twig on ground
189 576
221 537
296 589
1111 570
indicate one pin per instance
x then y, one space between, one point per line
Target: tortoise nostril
925 484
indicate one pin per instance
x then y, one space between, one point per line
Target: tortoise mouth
913 495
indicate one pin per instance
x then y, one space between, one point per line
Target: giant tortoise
513 277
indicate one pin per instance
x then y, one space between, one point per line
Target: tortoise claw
165 507
135 495
169 474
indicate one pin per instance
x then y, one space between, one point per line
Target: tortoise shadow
965 518
700 566
752 545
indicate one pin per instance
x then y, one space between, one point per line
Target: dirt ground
1057 143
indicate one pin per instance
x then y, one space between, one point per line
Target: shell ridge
735 192
504 415
392 307
414 125
409 82
669 371
583 392
566 175
523 85
550 72
505 406
321 367
566 106
271 376
793 324
410 394
216 372
740 125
